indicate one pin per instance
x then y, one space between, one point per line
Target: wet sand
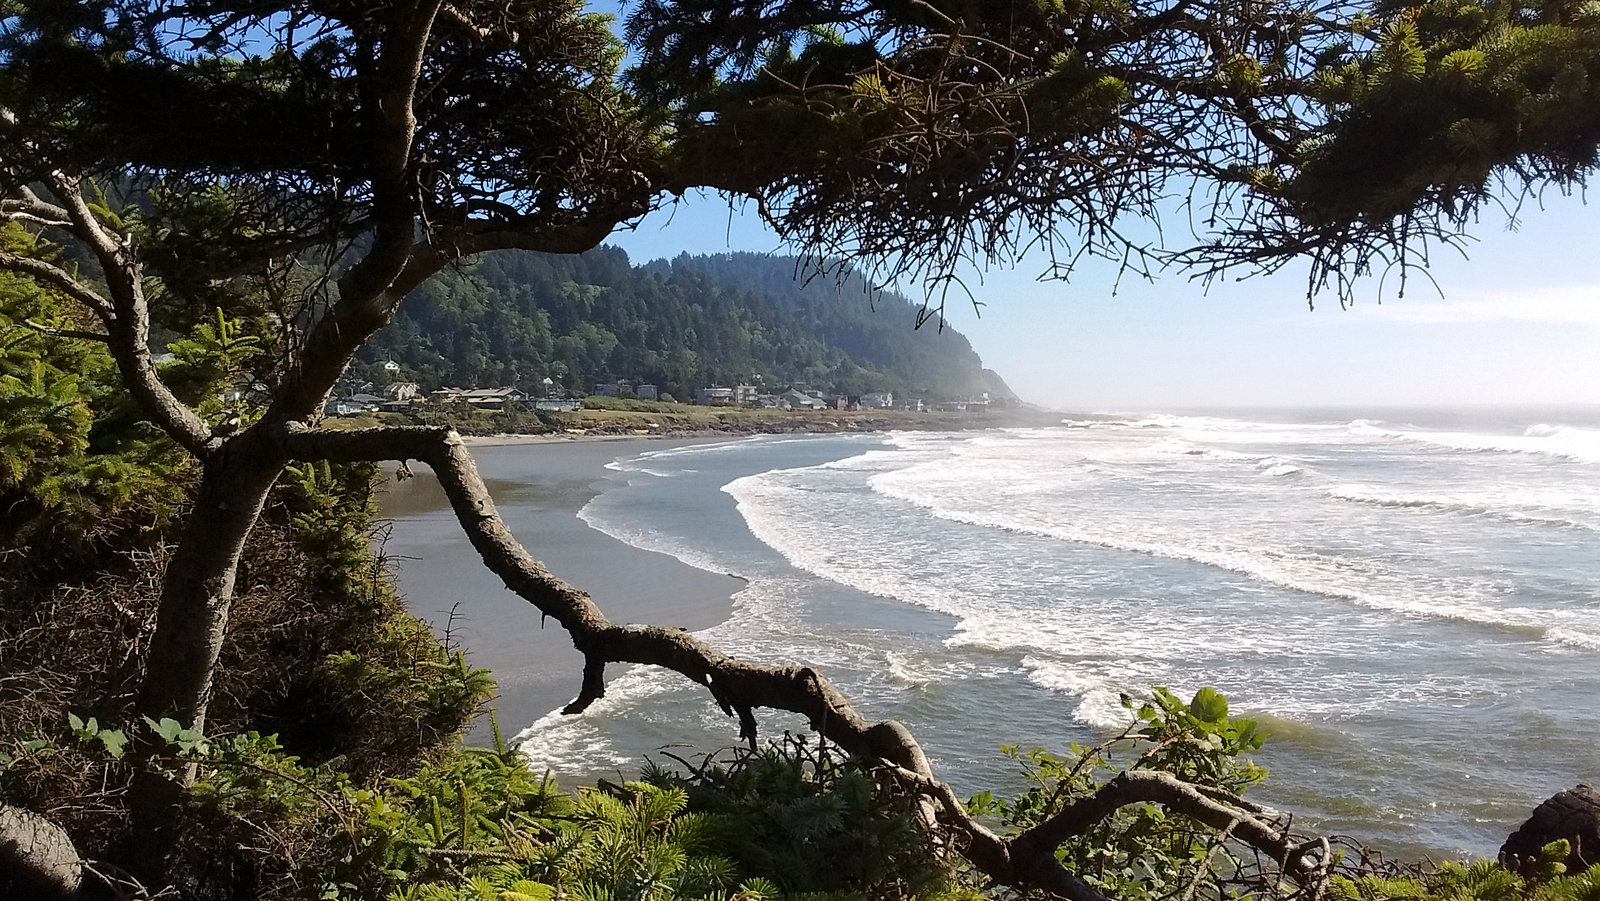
540 486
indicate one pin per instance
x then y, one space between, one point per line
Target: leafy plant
1481 880
1142 851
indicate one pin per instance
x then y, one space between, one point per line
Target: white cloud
1559 304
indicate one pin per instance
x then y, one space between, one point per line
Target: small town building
354 404
878 400
492 398
714 396
795 400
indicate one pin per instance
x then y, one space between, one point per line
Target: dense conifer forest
517 318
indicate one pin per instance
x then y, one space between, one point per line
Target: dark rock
37 858
1573 815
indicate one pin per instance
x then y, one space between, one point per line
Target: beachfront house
794 400
492 398
714 396
354 404
878 400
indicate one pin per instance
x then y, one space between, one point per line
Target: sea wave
1562 442
597 515
1473 507
1302 572
1099 694
1278 467
581 742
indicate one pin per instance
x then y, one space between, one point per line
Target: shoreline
707 423
541 495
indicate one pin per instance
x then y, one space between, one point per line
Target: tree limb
1306 861
60 279
127 319
1027 860
367 292
27 207
78 334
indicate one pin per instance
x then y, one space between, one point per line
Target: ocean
1409 601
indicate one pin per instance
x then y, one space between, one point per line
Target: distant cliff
517 318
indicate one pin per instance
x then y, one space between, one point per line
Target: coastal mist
1409 602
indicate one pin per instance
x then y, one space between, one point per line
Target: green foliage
784 823
478 823
1141 852
443 689
1453 91
209 361
1481 880
332 509
67 469
114 741
811 822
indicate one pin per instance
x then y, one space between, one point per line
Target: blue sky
1519 324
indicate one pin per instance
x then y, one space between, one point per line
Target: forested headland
516 318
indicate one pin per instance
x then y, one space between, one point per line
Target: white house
881 400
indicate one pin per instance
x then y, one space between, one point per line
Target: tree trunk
198 589
193 622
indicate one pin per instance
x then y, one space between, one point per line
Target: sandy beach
550 479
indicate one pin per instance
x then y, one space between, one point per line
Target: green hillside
517 318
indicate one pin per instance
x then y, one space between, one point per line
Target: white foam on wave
766 504
1562 442
1498 507
1099 694
1576 638
1098 423
1224 430
1180 447
581 742
901 670
1278 467
1332 577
